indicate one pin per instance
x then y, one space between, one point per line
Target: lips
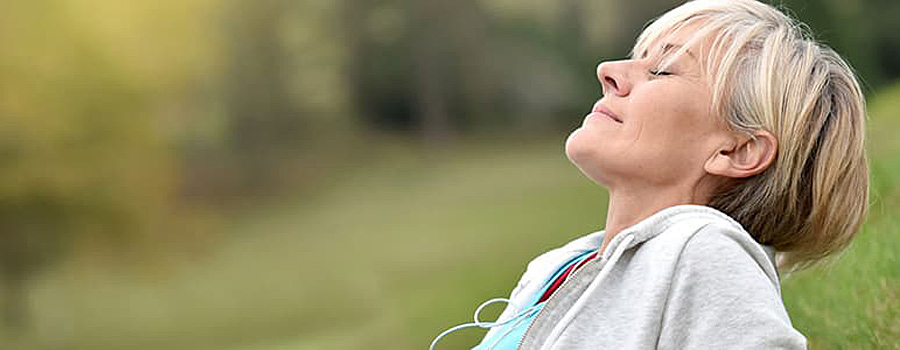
600 108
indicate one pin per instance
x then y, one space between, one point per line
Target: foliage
86 164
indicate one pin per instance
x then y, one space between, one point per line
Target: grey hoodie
688 277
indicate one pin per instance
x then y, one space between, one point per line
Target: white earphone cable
483 324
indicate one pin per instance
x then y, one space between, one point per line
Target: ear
744 156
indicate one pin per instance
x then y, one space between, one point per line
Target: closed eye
659 72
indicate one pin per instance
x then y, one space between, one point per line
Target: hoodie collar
660 221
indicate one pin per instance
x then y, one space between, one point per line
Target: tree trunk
430 51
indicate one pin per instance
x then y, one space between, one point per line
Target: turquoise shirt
510 334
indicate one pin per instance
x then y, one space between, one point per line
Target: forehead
673 40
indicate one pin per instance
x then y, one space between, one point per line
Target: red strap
562 277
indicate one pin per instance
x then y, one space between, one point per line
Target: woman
727 139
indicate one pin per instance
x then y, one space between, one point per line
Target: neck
627 208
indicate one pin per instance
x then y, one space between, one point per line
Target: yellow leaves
158 44
77 126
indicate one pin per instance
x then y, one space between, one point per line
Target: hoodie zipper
571 276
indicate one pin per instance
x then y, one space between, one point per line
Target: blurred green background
342 174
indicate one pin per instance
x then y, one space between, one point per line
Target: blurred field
381 262
396 253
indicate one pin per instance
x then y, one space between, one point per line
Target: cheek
675 142
672 117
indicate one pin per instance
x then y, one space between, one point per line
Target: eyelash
659 73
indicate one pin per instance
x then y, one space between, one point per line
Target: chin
569 146
579 143
583 156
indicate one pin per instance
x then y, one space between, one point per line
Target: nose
613 78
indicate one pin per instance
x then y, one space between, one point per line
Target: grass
400 251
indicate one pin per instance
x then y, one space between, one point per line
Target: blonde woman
730 143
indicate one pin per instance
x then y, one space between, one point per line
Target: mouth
601 109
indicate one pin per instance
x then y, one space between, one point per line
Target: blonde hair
767 73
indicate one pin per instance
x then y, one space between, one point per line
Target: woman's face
651 128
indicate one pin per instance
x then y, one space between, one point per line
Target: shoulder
702 237
552 258
725 291
541 267
723 252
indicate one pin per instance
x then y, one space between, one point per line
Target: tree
84 163
421 66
